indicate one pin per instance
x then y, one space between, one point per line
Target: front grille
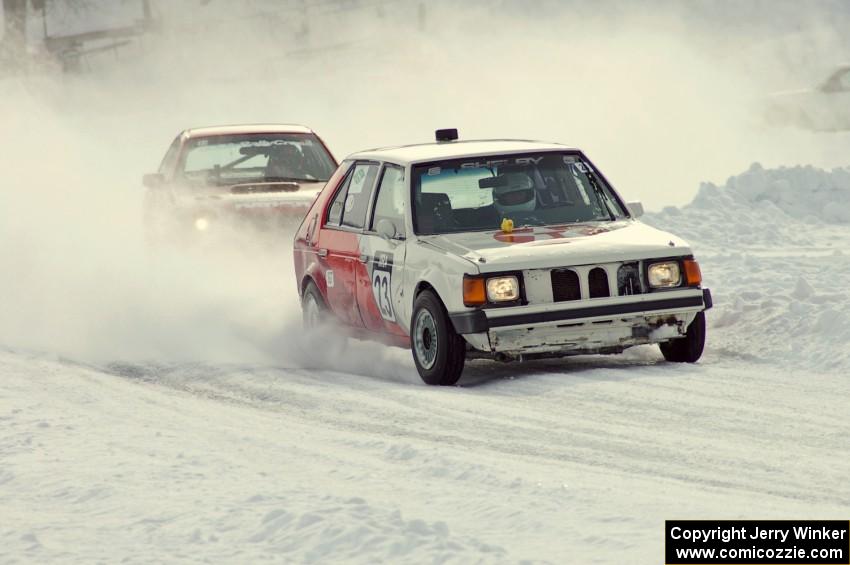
565 285
598 283
628 279
593 280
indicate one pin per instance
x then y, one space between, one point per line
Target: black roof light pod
449 134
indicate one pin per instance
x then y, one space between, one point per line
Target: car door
339 241
380 273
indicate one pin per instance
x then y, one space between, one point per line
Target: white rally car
502 249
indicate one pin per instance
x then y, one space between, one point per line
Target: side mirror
636 208
153 180
386 229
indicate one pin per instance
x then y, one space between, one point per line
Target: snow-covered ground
167 407
317 459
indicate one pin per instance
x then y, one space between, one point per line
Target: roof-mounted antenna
449 134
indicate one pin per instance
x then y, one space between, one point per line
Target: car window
335 213
351 203
359 194
205 156
461 186
389 204
536 189
243 157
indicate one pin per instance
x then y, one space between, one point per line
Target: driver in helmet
286 161
515 195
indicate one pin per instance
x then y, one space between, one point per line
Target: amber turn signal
474 293
693 276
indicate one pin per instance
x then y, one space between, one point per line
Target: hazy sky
661 96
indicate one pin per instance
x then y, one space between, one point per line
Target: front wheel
687 349
438 351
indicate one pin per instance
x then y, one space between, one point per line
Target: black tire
687 349
311 292
333 339
447 364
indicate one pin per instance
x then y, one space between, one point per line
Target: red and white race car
501 249
262 175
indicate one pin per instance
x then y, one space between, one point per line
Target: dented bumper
610 324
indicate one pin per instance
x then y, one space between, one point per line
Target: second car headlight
502 289
663 275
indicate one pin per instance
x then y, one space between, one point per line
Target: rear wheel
313 310
318 321
438 351
687 349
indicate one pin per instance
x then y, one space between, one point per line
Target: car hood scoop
260 187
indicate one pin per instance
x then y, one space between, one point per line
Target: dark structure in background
71 50
68 50
14 29
77 52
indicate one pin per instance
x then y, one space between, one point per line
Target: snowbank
790 206
773 246
805 193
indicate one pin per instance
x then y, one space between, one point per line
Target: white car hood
560 246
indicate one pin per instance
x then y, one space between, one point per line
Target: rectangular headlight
663 275
502 289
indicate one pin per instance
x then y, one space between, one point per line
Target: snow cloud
661 98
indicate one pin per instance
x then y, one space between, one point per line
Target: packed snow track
576 460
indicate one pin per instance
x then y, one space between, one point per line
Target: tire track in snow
637 431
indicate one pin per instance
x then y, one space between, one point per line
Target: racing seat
435 212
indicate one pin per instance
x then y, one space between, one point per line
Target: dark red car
259 175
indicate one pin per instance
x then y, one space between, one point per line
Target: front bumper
476 321
614 323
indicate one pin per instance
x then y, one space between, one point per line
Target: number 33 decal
382 286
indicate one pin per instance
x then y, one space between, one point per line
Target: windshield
538 189
230 159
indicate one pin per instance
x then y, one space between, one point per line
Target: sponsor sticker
357 181
382 273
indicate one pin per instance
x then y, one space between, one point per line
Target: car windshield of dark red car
232 159
537 189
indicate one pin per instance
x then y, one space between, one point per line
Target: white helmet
515 193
